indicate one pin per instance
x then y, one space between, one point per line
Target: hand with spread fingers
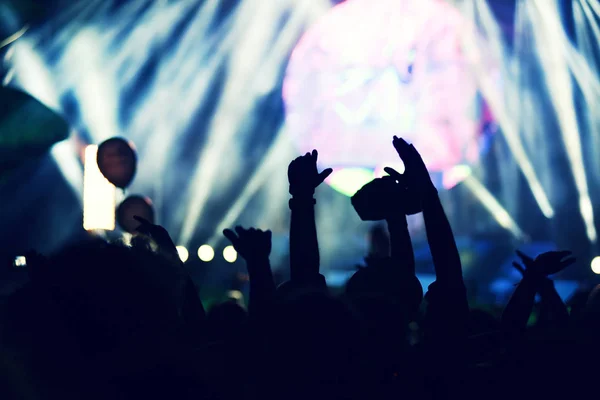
303 175
545 264
416 174
535 280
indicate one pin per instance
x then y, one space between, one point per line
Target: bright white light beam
279 154
255 60
494 99
547 28
493 206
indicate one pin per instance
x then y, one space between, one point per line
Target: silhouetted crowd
113 321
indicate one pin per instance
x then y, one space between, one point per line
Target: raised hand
447 311
254 246
251 244
159 235
545 264
416 174
535 273
304 176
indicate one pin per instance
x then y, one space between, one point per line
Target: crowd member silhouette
109 321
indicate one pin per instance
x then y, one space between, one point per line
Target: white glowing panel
99 195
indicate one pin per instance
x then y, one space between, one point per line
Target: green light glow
348 181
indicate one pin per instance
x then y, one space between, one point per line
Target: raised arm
304 178
553 305
447 306
446 258
254 246
401 245
535 280
398 206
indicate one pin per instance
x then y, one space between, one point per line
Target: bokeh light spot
206 253
596 265
183 253
229 254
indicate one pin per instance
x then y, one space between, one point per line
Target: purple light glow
368 70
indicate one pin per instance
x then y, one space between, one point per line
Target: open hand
251 244
303 175
545 264
158 234
416 175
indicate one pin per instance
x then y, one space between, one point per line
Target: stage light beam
96 89
253 71
494 98
279 153
493 206
552 44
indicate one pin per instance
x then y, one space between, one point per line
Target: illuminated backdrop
367 70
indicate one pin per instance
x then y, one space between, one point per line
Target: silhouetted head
383 288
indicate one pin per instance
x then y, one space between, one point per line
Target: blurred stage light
14 37
229 254
206 253
20 262
99 195
235 295
126 238
183 253
596 265
348 181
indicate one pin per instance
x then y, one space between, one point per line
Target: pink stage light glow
368 70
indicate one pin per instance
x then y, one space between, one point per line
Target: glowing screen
369 70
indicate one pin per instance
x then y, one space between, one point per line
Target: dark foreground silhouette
109 321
